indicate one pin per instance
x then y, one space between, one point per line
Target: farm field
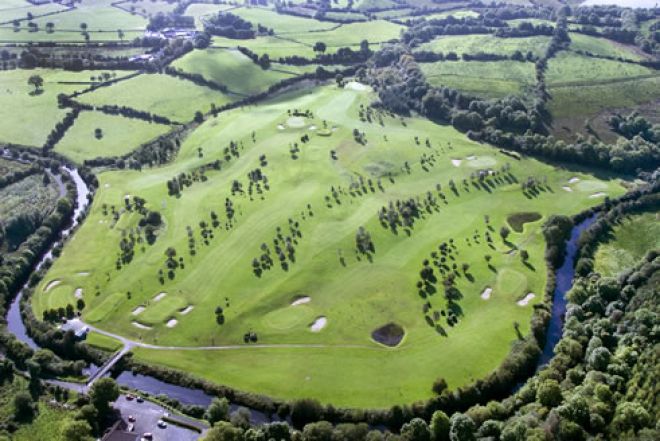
281 24
231 68
273 46
119 136
18 10
354 297
472 44
632 238
199 10
486 78
376 31
568 69
39 111
603 47
145 92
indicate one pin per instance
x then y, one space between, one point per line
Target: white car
162 424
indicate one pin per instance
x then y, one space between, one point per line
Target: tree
83 26
439 385
224 431
461 428
199 117
76 430
120 34
319 431
102 393
504 232
305 411
218 410
549 393
36 81
524 255
416 430
600 358
339 78
439 426
98 133
320 46
23 406
90 415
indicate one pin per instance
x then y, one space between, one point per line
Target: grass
39 113
103 342
375 31
485 78
18 9
149 7
199 10
275 47
231 68
349 368
471 44
120 136
101 18
569 69
159 94
602 46
281 23
632 239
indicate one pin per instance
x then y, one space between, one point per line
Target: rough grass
632 239
281 23
200 10
471 44
485 78
376 31
569 69
159 94
231 68
103 342
120 136
349 368
28 195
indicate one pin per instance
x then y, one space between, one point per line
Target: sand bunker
160 296
187 309
280 127
573 180
296 122
389 335
318 324
52 284
456 162
138 310
140 325
354 85
525 300
301 301
569 189
78 293
83 273
312 128
171 323
107 186
486 294
600 194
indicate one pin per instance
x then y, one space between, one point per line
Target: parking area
146 416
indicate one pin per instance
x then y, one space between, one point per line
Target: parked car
131 419
162 424
139 400
148 436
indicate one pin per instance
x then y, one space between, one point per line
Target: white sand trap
171 323
569 189
78 293
296 122
138 310
354 85
456 162
301 301
83 273
486 294
160 296
140 325
573 180
127 196
106 186
280 127
525 300
600 194
312 127
52 284
318 324
187 309
471 158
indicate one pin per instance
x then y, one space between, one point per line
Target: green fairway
39 112
159 94
486 78
472 44
120 136
356 296
231 68
632 238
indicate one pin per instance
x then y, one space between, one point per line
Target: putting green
329 189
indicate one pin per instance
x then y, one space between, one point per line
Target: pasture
323 184
231 68
485 78
160 94
603 47
632 239
119 136
472 44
